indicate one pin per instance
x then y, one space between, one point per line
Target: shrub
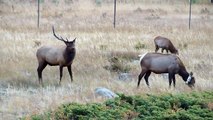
140 46
183 45
118 64
193 106
98 2
103 47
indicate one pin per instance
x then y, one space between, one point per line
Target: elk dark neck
69 55
173 49
184 74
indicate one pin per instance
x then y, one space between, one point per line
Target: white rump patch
142 56
189 79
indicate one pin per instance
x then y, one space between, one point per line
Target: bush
140 46
118 64
193 106
98 2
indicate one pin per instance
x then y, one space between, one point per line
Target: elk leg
156 48
170 79
146 77
70 72
174 81
140 76
40 68
162 50
167 51
61 73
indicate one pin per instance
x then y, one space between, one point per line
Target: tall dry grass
97 41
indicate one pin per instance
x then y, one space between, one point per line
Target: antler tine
67 39
56 35
62 38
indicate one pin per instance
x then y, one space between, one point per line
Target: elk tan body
54 56
164 63
62 56
164 44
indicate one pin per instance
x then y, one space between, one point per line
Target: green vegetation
191 106
98 2
139 46
103 47
200 1
120 61
183 45
118 64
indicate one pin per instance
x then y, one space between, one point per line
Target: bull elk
164 63
164 44
56 56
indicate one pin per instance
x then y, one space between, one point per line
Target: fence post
114 13
38 13
190 11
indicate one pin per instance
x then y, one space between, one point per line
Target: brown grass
20 93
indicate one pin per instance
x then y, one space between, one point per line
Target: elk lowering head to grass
53 56
164 63
164 44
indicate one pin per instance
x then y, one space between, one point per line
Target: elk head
70 44
190 80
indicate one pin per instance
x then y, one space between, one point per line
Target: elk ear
66 42
74 40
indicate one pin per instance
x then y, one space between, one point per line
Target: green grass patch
139 46
190 106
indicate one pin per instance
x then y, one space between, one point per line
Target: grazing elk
53 56
164 63
164 43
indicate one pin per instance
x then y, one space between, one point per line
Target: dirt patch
210 106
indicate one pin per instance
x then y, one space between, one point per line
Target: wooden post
114 13
38 13
190 12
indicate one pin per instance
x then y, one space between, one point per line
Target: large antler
62 39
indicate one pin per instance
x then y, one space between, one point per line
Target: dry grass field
97 42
